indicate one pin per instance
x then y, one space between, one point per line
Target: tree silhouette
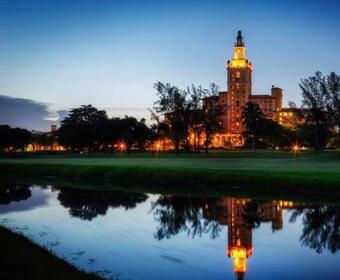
212 111
251 117
82 128
252 214
321 227
87 205
316 101
333 94
172 104
10 193
13 138
177 214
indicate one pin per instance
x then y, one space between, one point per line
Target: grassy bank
22 259
265 172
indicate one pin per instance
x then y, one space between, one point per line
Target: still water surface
148 236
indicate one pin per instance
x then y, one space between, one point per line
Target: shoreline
21 258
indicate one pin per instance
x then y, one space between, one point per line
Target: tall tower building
276 92
239 71
239 92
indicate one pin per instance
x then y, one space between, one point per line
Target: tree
177 214
305 134
160 130
271 134
82 128
5 137
252 214
131 131
251 117
142 134
87 204
194 110
321 227
20 138
316 102
15 192
172 104
333 95
196 113
13 138
211 113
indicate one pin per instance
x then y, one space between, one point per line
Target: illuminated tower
239 86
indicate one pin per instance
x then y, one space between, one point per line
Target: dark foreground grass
20 259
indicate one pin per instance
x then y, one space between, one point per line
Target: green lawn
262 161
22 259
267 171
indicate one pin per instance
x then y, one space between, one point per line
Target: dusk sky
110 53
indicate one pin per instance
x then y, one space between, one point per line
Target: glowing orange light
158 146
122 146
239 256
295 148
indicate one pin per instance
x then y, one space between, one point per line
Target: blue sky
110 53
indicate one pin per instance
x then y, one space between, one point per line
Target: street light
295 148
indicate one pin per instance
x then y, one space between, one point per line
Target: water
148 236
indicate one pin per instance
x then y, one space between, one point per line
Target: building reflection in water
242 216
199 215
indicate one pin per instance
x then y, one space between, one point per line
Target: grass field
265 170
22 259
234 160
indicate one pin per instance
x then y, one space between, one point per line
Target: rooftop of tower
239 40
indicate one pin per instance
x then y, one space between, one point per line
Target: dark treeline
10 193
320 111
187 119
87 128
87 204
13 138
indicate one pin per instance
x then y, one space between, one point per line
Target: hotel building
239 92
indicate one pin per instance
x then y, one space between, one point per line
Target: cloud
29 114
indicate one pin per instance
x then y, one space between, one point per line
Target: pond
154 236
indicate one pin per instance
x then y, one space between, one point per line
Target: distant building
289 117
45 141
239 92
53 128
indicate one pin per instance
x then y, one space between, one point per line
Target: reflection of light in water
240 246
239 256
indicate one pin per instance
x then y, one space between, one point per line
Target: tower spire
239 39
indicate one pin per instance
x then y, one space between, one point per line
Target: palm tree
251 116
